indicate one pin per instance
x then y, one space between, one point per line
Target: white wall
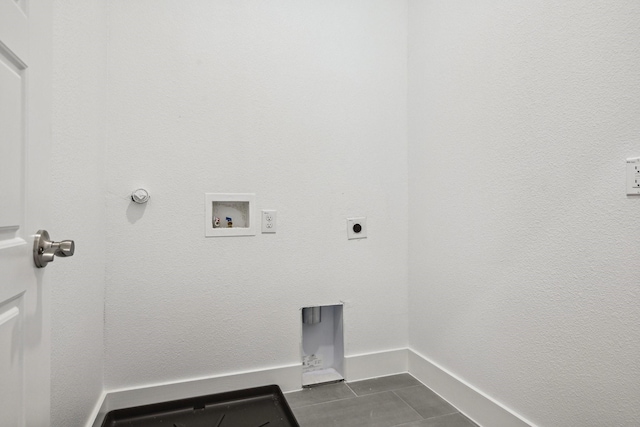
523 246
520 237
302 103
78 207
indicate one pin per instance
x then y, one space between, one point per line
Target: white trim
362 366
10 314
9 243
288 378
98 413
481 408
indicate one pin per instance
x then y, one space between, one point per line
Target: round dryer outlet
357 228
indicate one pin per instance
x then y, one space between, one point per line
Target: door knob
45 250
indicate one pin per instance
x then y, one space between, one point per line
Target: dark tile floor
393 401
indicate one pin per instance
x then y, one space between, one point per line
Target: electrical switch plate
357 228
633 176
269 221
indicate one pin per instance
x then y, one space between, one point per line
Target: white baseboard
476 405
97 415
288 378
379 364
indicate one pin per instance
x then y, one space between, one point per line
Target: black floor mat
254 407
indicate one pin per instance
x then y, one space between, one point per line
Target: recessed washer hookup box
254 407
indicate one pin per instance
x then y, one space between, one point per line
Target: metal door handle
45 250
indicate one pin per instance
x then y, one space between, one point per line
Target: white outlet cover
312 363
633 176
269 221
352 228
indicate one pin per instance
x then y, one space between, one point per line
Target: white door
25 95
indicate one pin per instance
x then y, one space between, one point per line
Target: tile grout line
355 396
322 403
349 387
419 383
460 413
439 416
430 418
454 407
384 391
412 408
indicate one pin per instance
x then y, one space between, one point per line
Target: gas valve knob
140 196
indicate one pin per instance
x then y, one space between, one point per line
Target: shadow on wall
135 210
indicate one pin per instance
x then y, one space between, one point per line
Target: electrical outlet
633 176
357 228
312 363
269 221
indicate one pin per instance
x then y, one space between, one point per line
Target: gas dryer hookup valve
140 196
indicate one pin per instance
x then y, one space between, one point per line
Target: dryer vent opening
322 345
311 315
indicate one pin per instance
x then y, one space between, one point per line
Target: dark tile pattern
425 402
376 385
319 394
393 401
452 420
376 410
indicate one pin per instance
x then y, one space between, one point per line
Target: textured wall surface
79 209
521 239
523 246
301 103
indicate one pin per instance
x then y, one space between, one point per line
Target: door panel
14 31
12 88
25 112
14 275
11 362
